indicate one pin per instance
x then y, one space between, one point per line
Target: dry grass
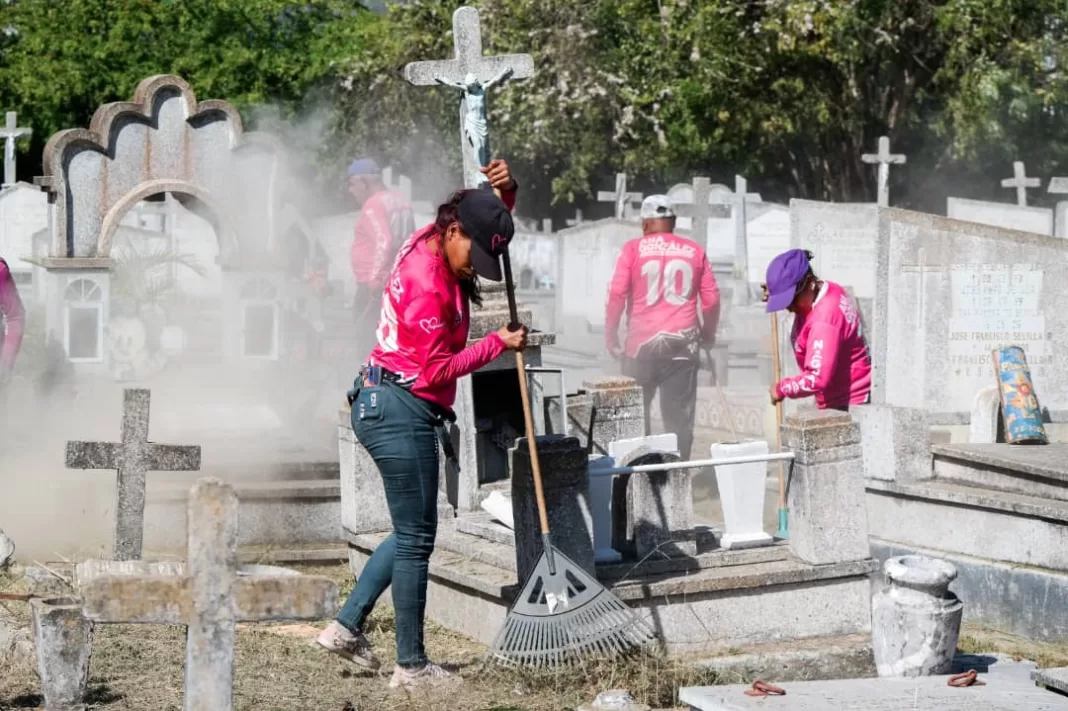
977 640
140 667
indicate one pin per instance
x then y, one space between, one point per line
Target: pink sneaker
429 673
354 647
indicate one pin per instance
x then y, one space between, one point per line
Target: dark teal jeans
399 431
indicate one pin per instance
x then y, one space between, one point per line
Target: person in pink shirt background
13 321
403 397
665 285
384 224
827 335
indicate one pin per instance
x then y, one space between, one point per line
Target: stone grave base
999 513
710 603
1009 688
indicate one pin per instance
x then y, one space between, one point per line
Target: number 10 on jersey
676 276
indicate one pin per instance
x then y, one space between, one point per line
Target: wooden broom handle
776 368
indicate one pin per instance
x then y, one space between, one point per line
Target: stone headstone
63 639
949 294
587 261
768 235
842 237
132 458
1020 182
210 598
896 442
999 214
23 213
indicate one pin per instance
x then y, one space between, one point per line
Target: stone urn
916 619
64 640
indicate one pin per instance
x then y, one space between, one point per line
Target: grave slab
999 214
1056 679
1008 688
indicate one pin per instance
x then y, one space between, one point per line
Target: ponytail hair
811 272
448 213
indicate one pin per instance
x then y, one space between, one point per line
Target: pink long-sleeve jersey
385 222
13 317
658 281
831 352
423 329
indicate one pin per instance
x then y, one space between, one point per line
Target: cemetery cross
577 221
885 159
10 133
131 458
738 200
210 599
1021 182
472 73
1059 186
700 210
923 268
620 197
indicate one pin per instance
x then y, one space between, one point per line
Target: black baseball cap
486 220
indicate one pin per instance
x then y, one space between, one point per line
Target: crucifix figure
210 598
885 159
10 132
620 197
738 200
473 74
700 210
1021 182
131 458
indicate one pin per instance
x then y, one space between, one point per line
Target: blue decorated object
1019 405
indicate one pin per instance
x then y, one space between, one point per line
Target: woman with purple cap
827 336
403 398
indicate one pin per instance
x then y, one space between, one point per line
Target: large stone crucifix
1021 182
620 197
131 458
10 132
885 159
210 598
473 74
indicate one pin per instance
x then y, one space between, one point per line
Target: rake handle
524 394
776 368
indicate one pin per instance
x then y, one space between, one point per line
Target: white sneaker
429 673
354 647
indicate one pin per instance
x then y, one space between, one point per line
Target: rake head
562 614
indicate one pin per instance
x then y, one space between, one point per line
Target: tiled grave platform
1008 688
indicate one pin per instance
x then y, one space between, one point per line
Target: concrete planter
916 619
64 640
742 488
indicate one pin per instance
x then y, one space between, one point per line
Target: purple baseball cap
784 275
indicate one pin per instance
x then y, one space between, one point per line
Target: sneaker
352 646
429 673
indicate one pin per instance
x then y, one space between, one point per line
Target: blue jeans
399 431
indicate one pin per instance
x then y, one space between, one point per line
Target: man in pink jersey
385 222
13 318
827 336
665 285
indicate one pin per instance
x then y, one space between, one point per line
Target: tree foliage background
789 93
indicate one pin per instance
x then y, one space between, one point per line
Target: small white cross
1021 182
10 133
620 197
700 210
885 159
923 268
576 221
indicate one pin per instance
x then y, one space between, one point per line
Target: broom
776 368
562 611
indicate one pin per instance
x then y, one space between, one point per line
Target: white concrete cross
700 210
10 133
467 39
210 598
576 221
738 201
131 458
885 159
923 268
1021 182
1059 186
622 199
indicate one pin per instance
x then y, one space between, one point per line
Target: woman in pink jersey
827 336
403 397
